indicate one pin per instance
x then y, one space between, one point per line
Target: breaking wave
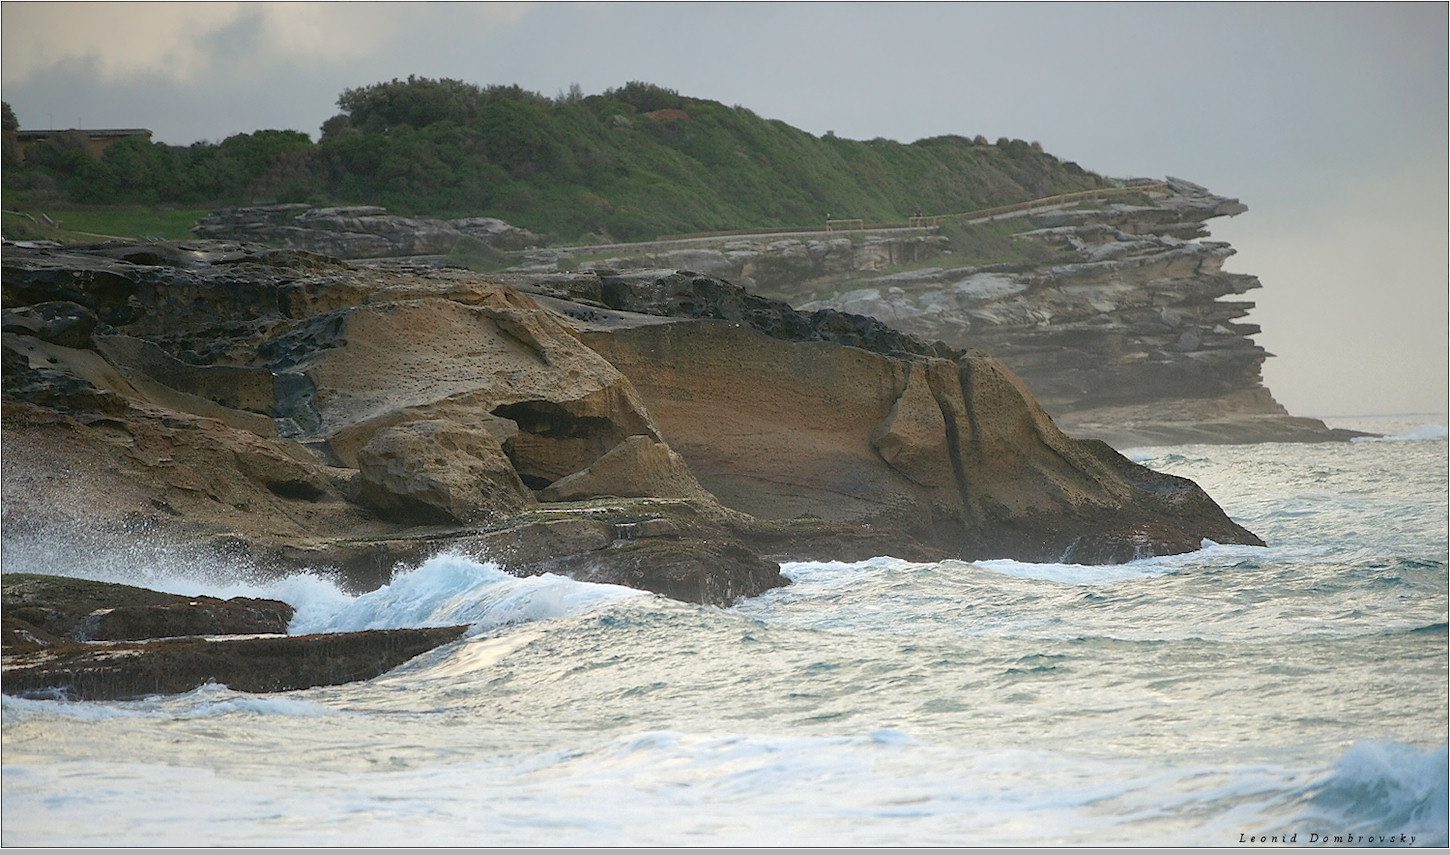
1382 789
446 590
1423 432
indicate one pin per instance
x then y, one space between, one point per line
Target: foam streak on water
1298 688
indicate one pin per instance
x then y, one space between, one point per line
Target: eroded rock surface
1118 314
664 429
778 419
358 231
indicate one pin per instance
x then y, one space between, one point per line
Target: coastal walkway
834 227
982 215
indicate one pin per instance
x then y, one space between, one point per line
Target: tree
420 101
9 146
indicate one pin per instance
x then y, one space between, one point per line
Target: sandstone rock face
763 264
638 467
362 231
1124 336
438 470
777 418
287 410
661 429
1124 326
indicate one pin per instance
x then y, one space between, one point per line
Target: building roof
96 132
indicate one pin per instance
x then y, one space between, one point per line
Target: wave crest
446 590
1385 788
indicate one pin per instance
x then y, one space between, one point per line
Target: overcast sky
1329 121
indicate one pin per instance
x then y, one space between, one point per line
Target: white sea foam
879 703
205 701
1077 574
1421 433
1384 788
445 590
1211 554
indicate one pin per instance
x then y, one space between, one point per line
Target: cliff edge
1110 305
666 430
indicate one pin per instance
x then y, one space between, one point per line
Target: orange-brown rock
638 467
293 410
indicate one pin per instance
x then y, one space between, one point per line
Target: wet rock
122 670
85 610
664 429
79 639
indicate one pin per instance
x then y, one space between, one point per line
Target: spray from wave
1382 790
449 589
1419 434
446 590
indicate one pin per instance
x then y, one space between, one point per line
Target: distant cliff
1112 310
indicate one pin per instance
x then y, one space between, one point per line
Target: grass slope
629 164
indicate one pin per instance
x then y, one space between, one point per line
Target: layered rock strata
787 415
667 431
1119 317
358 231
1126 334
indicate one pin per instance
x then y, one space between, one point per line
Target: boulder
638 467
439 471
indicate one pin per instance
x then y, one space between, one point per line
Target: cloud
116 39
180 41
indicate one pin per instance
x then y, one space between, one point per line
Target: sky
1329 121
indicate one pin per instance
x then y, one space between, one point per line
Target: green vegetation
992 243
629 164
71 226
480 257
87 225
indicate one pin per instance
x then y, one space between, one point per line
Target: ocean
1293 694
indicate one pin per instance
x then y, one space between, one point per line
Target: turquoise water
1202 699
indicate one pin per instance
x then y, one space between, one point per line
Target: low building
96 141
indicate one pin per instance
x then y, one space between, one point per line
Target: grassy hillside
88 225
629 164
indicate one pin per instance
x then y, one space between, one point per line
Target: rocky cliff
666 430
358 231
255 410
1119 317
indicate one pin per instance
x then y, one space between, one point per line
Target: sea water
1230 696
